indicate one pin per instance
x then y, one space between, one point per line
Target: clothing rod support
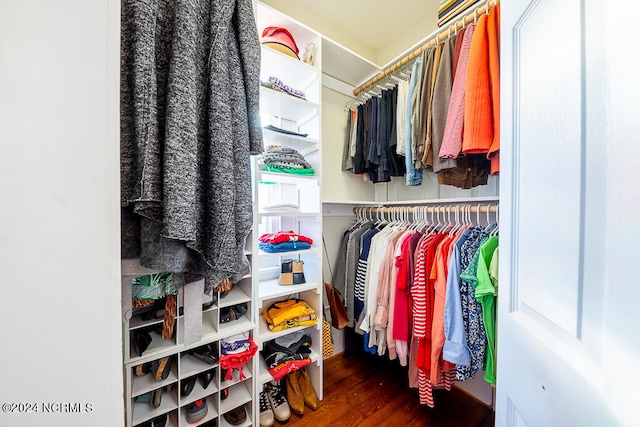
429 209
441 35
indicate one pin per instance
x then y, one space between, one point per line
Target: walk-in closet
275 212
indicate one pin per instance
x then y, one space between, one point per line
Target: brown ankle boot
294 394
310 397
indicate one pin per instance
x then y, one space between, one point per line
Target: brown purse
339 317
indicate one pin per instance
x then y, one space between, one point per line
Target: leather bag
339 317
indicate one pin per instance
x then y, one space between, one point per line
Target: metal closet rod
436 39
429 209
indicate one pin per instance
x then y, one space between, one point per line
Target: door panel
548 133
568 346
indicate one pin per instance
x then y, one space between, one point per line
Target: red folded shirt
284 236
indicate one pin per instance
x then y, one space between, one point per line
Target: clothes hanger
488 217
457 225
494 232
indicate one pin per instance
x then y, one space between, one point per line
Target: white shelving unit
303 117
184 365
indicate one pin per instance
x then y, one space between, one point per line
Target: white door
569 293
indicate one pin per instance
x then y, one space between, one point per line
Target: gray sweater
189 121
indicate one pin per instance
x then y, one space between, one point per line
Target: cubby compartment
143 408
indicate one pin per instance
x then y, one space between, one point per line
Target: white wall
59 218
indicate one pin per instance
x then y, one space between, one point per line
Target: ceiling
378 30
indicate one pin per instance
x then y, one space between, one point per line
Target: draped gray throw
189 121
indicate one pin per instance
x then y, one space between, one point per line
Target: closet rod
429 209
438 37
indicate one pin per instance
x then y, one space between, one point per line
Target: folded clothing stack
289 314
275 84
287 354
284 241
277 158
236 351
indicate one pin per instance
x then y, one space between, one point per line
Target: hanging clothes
189 121
493 34
485 293
426 299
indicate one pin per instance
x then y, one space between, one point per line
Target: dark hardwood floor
366 390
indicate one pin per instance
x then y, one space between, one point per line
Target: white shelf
292 72
157 348
199 392
278 187
311 250
265 334
190 365
236 376
143 411
235 296
147 383
243 324
287 178
211 414
288 214
285 106
303 144
238 395
136 322
264 376
271 289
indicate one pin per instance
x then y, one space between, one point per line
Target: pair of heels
142 337
160 368
186 386
205 353
227 314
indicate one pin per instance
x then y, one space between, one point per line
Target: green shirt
486 292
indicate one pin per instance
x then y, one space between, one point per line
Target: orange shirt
478 111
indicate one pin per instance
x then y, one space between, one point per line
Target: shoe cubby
144 408
315 356
211 412
148 376
228 421
145 341
226 384
191 365
187 364
169 419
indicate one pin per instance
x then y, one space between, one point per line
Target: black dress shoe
186 386
141 340
206 377
205 353
240 309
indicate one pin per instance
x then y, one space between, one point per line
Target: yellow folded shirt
284 311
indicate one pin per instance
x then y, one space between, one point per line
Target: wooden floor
366 390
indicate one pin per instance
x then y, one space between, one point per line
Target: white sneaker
279 404
266 414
